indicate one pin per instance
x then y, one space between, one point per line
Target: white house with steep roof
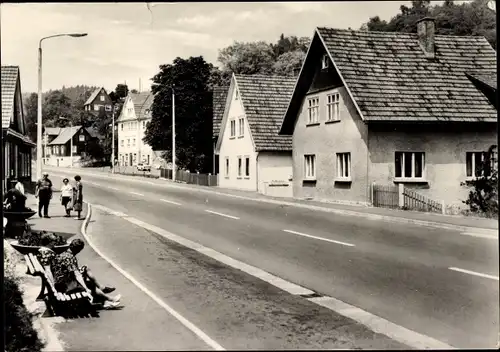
252 156
132 122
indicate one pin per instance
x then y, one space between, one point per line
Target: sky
127 43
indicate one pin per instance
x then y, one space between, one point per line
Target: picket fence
395 197
191 177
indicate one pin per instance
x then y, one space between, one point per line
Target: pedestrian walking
67 197
44 194
78 196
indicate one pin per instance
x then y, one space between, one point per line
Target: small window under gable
325 62
236 95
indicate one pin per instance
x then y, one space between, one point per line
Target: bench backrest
39 268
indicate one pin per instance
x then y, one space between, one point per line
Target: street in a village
441 284
250 176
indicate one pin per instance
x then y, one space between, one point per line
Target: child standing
67 196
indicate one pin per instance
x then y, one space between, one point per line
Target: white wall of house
236 147
275 171
63 161
131 149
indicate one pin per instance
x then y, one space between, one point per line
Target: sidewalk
461 223
140 325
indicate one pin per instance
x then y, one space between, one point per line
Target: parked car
143 167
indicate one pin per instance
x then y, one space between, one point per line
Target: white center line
169 201
137 194
481 235
475 273
220 214
320 238
113 188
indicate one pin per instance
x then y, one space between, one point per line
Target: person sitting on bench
69 278
45 254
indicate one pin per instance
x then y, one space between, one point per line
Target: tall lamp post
113 140
39 113
173 133
71 140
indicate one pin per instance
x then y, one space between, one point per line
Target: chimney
425 33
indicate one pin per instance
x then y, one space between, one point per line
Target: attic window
237 96
325 62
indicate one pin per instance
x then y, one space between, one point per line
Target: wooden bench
59 304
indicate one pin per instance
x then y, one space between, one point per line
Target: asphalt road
399 272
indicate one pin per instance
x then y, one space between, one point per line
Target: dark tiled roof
94 94
65 135
489 79
391 79
9 80
219 104
265 100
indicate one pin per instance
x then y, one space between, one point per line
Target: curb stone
394 219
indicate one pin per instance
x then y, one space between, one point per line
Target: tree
121 91
483 195
135 91
30 115
56 105
193 113
290 63
470 18
247 58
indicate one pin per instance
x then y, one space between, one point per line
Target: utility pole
113 139
173 134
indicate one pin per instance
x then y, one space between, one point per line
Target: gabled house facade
17 147
132 123
219 98
391 108
252 156
99 100
57 145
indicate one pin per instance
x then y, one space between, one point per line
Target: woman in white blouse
67 197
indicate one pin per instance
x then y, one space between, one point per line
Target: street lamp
71 140
39 114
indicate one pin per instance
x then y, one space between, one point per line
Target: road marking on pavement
481 235
220 214
373 322
475 273
155 298
320 238
170 201
381 325
113 188
393 219
137 194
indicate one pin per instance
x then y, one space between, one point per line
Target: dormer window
325 62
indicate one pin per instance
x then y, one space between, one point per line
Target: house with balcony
99 100
132 122
57 145
17 147
417 109
252 155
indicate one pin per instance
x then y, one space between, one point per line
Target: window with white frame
233 128
236 95
96 107
476 166
81 138
410 165
102 97
75 150
325 61
241 126
226 170
133 142
333 104
310 167
128 142
108 108
122 143
313 110
343 165
143 124
121 126
247 166
239 166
